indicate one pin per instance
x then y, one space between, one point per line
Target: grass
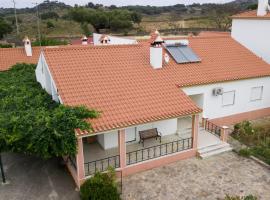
256 136
69 29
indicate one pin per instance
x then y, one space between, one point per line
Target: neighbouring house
26 54
155 97
252 30
161 100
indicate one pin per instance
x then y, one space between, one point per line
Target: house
160 88
161 100
252 29
11 56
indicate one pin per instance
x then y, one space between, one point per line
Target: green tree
50 24
31 122
49 15
5 28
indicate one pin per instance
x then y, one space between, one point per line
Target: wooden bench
148 134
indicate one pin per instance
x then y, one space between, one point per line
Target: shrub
5 45
102 186
249 197
244 152
49 15
50 24
49 42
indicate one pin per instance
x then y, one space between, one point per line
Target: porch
99 159
122 150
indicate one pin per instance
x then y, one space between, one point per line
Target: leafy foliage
49 15
30 122
101 19
256 137
49 42
50 24
5 45
100 187
5 28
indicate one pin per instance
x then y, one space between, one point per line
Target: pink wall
150 164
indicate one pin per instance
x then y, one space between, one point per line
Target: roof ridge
78 47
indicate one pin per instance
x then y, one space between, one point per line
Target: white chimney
27 46
156 51
84 40
263 7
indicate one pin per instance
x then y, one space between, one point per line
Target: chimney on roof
156 50
263 7
27 46
104 39
84 40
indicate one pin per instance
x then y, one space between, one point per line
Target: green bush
249 197
50 24
49 42
244 152
102 186
5 46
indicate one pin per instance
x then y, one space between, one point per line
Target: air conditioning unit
217 91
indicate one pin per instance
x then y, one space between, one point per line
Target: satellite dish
167 58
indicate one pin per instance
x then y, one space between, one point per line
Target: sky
29 3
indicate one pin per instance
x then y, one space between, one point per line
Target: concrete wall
213 105
254 35
110 139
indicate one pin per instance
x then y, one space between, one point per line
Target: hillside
169 19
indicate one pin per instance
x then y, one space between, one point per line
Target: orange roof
11 56
119 81
251 14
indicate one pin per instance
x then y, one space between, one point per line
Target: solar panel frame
182 54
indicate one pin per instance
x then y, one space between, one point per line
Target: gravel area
196 179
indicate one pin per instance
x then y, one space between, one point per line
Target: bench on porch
148 134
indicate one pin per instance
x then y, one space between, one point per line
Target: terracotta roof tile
251 14
11 56
119 81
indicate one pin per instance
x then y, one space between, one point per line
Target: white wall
254 35
212 105
110 139
113 40
44 77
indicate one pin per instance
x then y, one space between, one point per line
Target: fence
158 150
101 165
212 128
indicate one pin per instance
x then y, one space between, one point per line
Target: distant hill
169 18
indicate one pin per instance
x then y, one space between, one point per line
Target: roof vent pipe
27 46
263 7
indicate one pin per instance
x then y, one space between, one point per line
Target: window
228 98
256 93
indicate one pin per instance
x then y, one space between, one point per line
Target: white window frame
231 104
259 98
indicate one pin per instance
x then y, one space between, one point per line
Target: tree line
105 19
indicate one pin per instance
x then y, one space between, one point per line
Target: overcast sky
29 3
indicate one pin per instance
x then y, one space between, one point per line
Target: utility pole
38 25
16 20
2 170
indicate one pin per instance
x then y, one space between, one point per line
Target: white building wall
113 40
213 107
110 139
44 77
254 35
